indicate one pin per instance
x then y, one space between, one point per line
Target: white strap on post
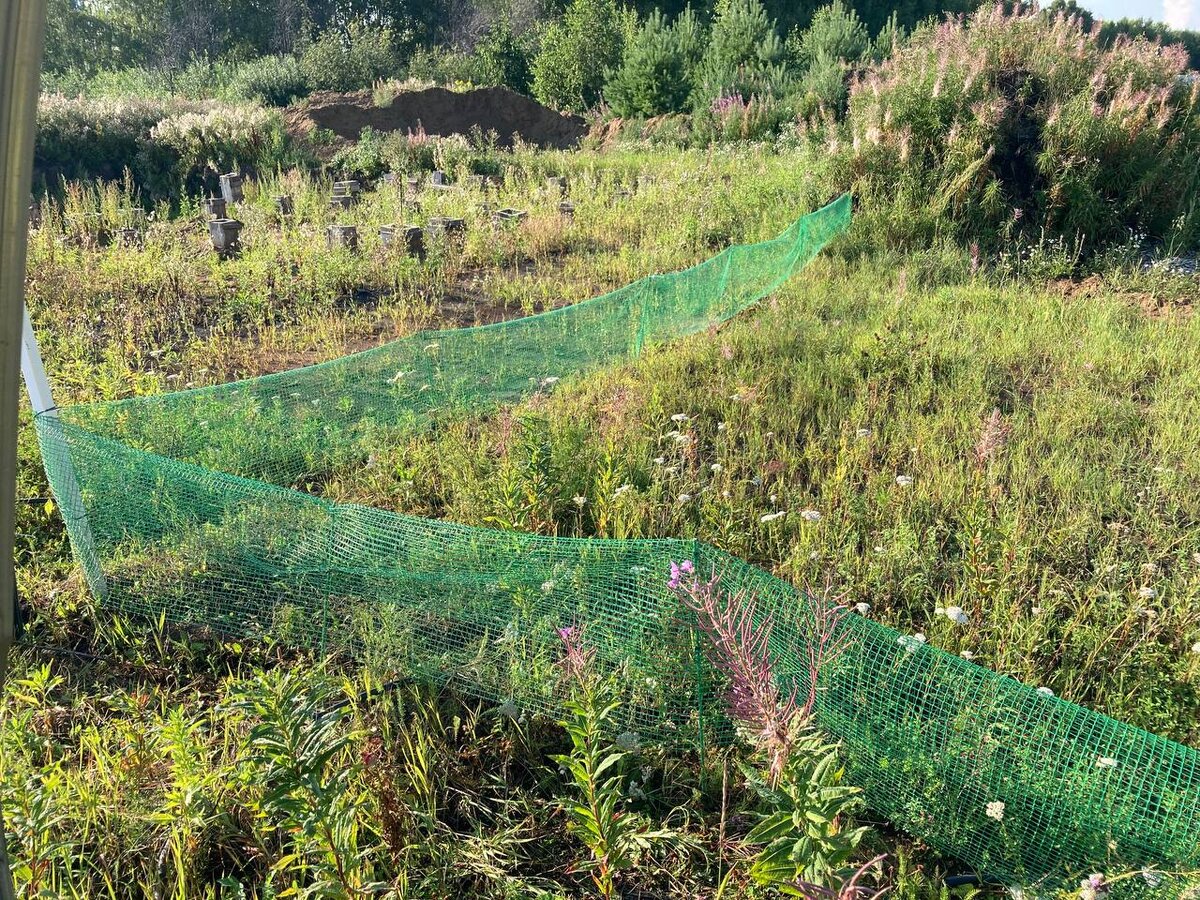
34 371
70 500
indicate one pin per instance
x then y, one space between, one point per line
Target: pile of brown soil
440 112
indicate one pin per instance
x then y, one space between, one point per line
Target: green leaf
771 828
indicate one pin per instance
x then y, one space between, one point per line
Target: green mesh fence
179 505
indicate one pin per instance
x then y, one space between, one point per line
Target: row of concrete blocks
345 193
226 235
218 207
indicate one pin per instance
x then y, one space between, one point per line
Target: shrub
273 80
1002 124
166 145
221 138
731 118
577 52
92 138
656 74
1110 31
125 83
363 159
823 87
408 153
348 61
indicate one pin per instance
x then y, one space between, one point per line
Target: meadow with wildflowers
984 438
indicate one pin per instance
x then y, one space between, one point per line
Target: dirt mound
441 112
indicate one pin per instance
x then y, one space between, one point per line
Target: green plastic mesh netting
179 505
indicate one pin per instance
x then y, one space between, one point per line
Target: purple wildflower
726 104
678 570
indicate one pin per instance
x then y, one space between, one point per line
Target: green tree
85 40
891 36
744 55
345 62
836 33
502 57
577 53
656 75
834 42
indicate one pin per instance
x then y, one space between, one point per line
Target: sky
1176 13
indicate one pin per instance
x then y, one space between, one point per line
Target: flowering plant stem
614 836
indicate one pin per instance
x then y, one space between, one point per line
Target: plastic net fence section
178 505
478 607
278 428
1019 784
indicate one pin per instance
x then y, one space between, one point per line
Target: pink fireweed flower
577 657
740 640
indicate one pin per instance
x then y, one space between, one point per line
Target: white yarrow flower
771 517
862 608
1106 762
904 480
628 741
1045 690
956 615
862 433
911 642
810 515
995 810
715 468
659 460
1147 593
547 587
579 500
680 417
967 655
509 710
622 489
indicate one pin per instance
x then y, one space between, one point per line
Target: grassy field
935 435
